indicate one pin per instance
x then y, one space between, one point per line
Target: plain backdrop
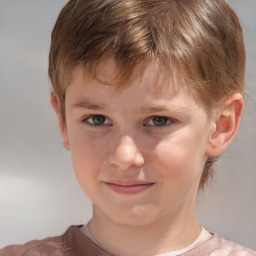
39 195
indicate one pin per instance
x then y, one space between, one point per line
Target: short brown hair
201 38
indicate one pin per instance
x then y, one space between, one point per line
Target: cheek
88 155
85 146
179 160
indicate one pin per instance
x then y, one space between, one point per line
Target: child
148 94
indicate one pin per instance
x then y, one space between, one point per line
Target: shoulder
219 246
233 249
72 242
47 247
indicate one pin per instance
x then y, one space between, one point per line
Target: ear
63 129
226 124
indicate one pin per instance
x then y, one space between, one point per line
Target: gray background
39 195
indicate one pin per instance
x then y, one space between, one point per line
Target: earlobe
226 124
63 129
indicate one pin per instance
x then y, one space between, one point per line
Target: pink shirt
74 243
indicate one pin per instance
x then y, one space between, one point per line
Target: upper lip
127 183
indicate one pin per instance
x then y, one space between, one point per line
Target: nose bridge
125 152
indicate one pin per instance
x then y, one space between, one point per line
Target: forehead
148 83
153 73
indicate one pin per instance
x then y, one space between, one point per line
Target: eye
159 121
97 120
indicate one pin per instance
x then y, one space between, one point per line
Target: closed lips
129 187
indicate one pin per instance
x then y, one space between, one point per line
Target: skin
138 154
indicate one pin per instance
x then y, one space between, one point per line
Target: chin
135 217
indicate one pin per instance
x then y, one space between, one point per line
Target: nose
125 154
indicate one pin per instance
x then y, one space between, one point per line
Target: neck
169 233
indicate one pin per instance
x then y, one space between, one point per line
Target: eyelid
86 118
169 121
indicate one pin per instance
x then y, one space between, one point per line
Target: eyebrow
163 108
145 109
88 105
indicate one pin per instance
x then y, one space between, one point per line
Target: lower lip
130 190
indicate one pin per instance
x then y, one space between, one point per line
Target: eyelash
86 120
167 120
149 122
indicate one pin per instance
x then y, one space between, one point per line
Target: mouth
128 187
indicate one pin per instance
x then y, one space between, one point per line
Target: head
199 43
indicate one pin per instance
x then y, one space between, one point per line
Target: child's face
137 153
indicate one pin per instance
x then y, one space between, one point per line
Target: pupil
159 121
98 120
